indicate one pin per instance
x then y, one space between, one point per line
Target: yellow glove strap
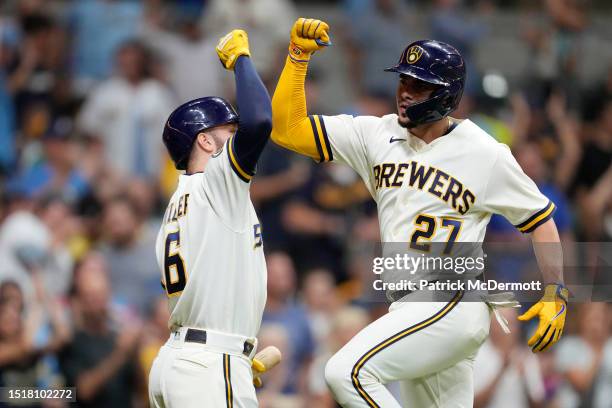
555 291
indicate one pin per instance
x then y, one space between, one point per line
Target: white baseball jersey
441 192
210 252
465 175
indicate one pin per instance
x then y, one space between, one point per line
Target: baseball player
210 248
435 179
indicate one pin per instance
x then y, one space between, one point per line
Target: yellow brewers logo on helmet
414 53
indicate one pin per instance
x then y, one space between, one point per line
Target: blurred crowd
85 88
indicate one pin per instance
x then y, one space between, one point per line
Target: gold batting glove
307 36
231 46
258 369
551 310
263 361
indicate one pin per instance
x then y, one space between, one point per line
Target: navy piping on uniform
537 219
316 138
326 139
239 172
227 376
393 339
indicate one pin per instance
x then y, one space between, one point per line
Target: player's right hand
231 46
307 36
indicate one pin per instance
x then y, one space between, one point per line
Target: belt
223 341
399 294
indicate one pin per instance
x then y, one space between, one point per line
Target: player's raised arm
292 127
255 120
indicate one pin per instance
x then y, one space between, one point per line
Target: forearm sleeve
255 121
292 128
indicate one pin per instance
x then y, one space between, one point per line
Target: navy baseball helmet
437 63
191 118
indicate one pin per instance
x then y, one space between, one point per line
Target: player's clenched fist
551 310
231 46
307 36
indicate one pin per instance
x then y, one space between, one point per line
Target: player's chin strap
503 300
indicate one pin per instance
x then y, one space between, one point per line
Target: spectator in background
28 335
56 172
569 20
127 112
266 21
370 49
451 24
8 149
271 395
32 72
155 334
144 198
99 359
373 102
585 360
34 237
189 55
64 228
321 213
278 176
129 250
552 177
282 309
94 45
555 45
346 323
506 372
320 299
593 181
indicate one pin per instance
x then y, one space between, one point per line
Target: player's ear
206 142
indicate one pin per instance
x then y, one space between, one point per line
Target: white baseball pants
428 346
216 374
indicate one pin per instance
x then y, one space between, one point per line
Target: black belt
199 336
398 294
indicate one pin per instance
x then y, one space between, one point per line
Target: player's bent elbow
260 126
281 139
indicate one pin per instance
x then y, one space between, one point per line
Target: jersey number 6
174 266
425 227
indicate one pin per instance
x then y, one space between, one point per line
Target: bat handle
323 43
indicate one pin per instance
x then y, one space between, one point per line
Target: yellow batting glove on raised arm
231 46
307 36
551 310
